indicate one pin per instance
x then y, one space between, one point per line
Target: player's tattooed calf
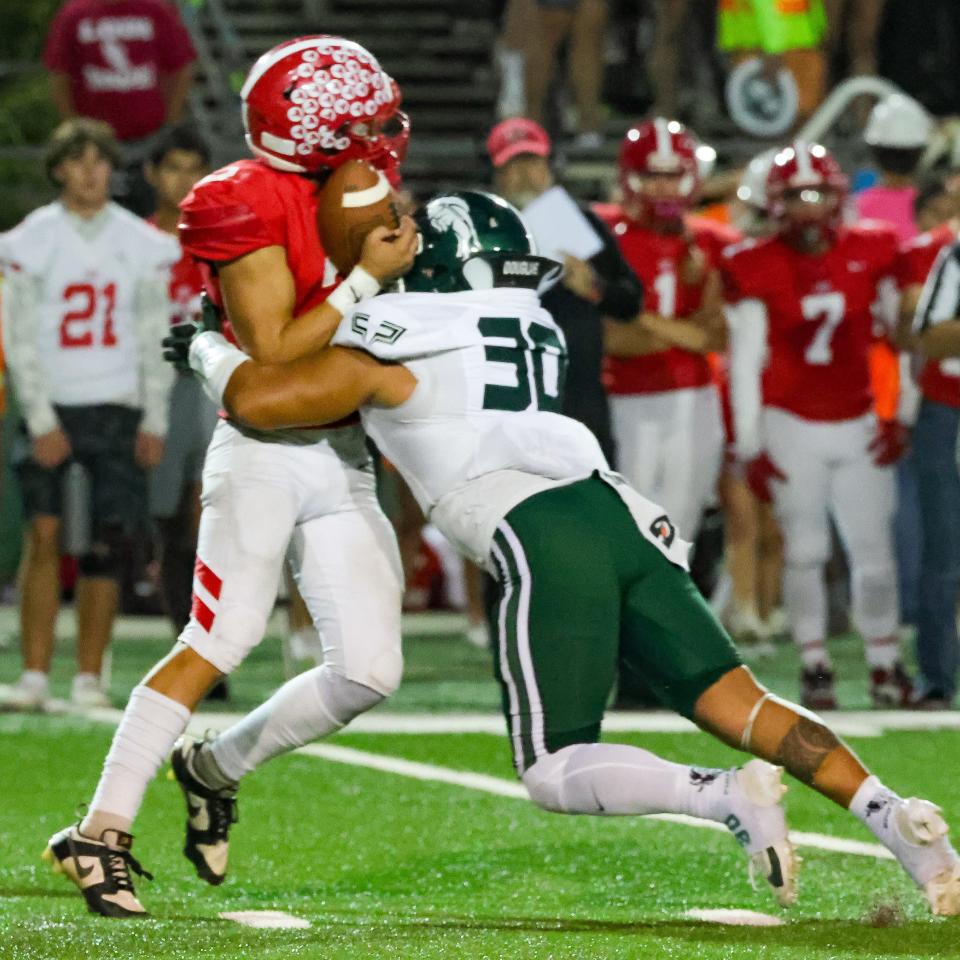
803 750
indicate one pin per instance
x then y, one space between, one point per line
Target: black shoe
210 814
891 688
100 868
219 692
932 700
816 689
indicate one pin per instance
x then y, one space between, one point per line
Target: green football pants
578 583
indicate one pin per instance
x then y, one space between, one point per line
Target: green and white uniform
584 564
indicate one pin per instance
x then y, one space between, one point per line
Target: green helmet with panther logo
476 241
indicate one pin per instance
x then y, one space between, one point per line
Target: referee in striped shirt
937 338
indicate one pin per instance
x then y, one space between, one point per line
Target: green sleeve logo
382 332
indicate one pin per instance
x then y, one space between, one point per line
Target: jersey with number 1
820 319
86 333
657 259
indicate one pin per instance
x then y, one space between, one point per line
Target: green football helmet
476 241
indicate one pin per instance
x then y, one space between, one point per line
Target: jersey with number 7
820 314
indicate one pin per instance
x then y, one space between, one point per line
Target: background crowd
103 451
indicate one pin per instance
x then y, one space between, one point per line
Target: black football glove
176 345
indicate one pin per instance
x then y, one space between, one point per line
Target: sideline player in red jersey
308 106
664 405
801 310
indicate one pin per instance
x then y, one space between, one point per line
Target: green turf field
384 865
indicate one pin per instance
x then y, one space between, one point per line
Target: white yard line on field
484 783
872 723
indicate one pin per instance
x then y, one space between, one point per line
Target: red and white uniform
313 490
802 326
939 380
85 303
664 406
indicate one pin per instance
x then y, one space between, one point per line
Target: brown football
355 199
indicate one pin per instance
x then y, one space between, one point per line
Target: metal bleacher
440 51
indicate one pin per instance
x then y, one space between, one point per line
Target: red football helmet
659 171
806 189
315 102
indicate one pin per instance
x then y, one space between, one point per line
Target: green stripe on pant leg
574 605
508 663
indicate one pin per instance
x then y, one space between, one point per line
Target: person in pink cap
519 151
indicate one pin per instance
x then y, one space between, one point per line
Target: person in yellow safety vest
787 32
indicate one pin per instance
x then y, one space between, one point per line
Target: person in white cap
897 132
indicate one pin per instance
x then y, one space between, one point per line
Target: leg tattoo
804 749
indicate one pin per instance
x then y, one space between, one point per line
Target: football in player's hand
355 199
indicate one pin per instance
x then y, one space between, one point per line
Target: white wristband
214 359
357 286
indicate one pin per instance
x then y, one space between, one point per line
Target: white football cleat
86 693
759 824
920 843
30 693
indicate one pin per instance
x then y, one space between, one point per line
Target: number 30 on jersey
525 365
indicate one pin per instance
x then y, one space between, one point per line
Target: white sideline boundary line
497 786
848 724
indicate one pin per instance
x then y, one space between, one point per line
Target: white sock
613 779
882 652
873 805
150 726
309 706
814 654
35 680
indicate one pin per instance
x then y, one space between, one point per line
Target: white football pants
317 496
831 474
670 448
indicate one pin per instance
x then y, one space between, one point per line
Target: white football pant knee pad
235 632
381 672
875 599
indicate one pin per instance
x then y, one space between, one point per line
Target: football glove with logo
176 344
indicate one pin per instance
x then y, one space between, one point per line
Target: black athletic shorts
102 438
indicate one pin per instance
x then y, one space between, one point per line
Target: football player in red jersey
801 311
664 405
308 106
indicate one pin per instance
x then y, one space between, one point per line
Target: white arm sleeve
908 402
156 375
214 359
20 305
747 321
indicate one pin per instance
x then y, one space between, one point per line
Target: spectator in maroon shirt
126 62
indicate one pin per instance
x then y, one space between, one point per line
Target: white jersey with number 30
481 432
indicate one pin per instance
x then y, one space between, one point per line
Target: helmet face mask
806 190
313 103
659 173
475 241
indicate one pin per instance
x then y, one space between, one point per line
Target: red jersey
247 206
820 324
116 55
939 379
656 259
186 285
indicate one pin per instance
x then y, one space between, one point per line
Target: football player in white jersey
458 383
85 303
